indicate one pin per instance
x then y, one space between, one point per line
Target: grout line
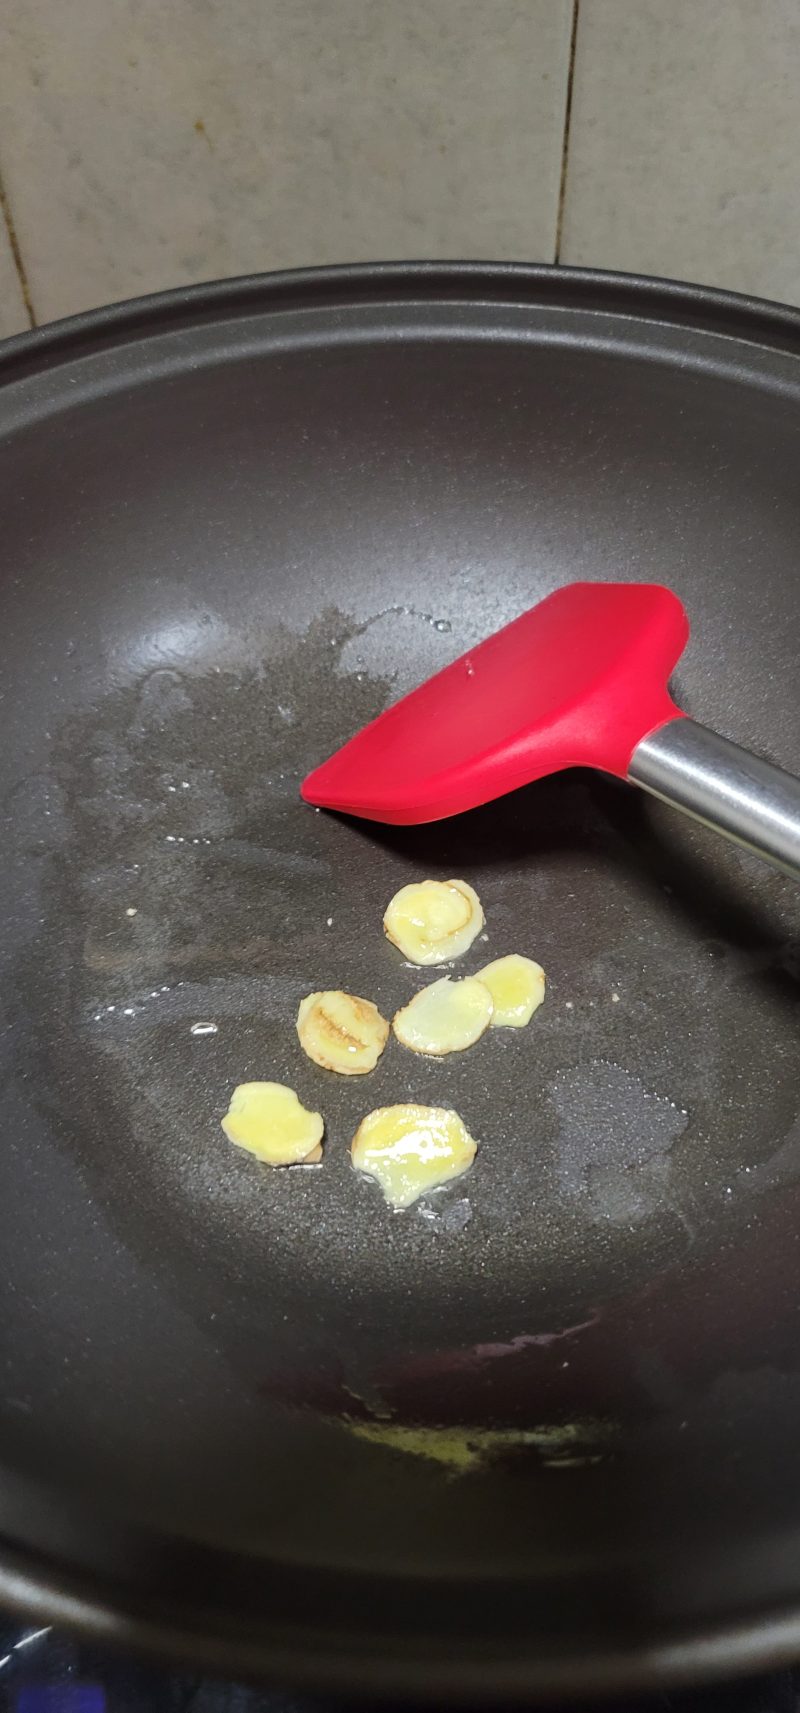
5 212
562 188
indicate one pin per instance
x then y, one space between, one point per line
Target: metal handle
750 801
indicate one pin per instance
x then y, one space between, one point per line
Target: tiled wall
146 143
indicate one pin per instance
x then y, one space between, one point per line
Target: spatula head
577 681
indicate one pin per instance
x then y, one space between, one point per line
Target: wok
540 1434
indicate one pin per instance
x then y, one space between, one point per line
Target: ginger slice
432 921
516 985
268 1120
445 1017
410 1149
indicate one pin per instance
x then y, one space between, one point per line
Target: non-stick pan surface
542 1432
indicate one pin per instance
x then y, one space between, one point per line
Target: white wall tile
13 315
147 143
685 141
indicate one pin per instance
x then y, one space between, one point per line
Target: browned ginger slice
341 1032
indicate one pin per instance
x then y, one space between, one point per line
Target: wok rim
645 297
720 1653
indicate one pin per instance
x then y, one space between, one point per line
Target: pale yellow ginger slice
411 1149
516 985
432 921
342 1033
268 1120
445 1017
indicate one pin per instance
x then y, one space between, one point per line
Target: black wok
542 1433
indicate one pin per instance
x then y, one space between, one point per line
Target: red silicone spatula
578 681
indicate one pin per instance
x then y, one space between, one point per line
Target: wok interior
585 1352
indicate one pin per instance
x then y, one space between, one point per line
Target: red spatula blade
577 681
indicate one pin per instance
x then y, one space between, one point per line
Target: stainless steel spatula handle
750 801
